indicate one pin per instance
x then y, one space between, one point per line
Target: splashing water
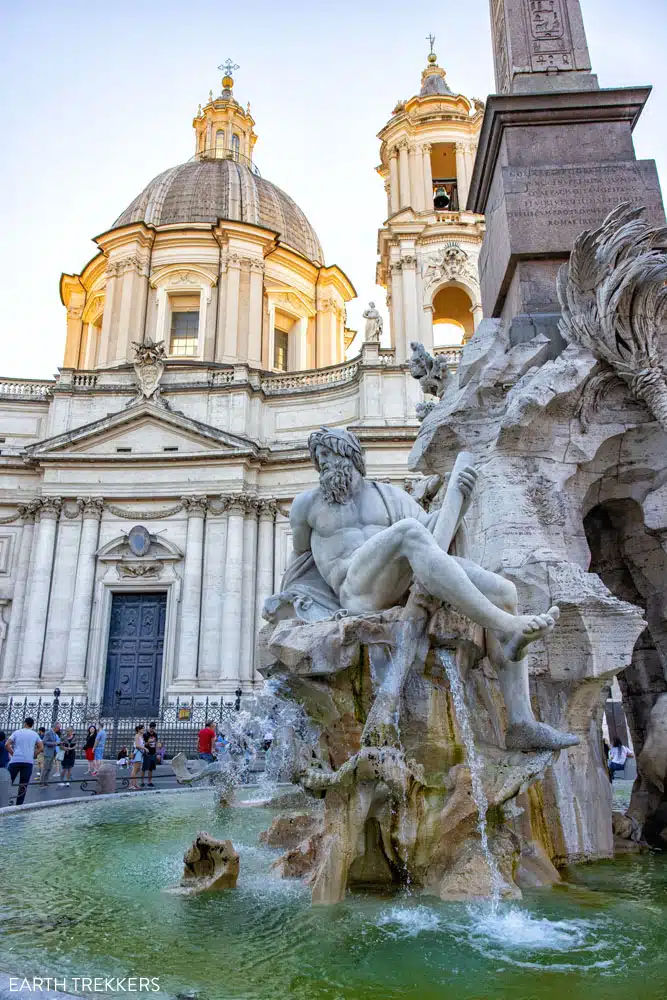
475 764
408 921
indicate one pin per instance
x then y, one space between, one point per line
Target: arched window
219 144
452 317
236 146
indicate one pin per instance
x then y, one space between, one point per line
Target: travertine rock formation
210 864
568 506
398 802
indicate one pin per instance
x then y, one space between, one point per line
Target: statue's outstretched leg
507 654
383 566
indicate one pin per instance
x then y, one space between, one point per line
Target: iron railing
177 723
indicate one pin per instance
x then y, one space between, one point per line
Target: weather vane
228 67
431 39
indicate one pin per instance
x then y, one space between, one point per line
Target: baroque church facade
145 491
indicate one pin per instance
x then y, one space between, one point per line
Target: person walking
617 758
150 755
68 747
39 759
89 747
206 741
51 741
22 746
100 740
137 757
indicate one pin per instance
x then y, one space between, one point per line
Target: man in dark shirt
206 740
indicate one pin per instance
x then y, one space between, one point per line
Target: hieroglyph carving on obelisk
540 45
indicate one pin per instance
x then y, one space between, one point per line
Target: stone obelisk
555 156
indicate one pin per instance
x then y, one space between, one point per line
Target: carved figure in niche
149 359
373 330
359 545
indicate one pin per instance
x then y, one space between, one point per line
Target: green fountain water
82 895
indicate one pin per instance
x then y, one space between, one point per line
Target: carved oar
381 725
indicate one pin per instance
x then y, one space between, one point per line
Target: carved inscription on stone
550 206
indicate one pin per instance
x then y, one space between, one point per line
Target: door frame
107 708
102 623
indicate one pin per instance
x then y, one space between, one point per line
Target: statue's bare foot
529 629
538 736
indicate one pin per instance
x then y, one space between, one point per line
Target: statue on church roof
373 330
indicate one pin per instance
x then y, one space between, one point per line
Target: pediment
147 430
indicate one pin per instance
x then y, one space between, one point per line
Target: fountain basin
83 894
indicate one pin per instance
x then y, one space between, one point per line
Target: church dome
206 190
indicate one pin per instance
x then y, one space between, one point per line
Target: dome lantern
223 129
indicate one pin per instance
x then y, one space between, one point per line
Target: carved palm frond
613 295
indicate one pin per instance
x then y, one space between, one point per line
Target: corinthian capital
234 503
91 507
50 507
267 510
195 505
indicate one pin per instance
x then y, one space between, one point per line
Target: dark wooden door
134 657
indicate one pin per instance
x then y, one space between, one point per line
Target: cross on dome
228 67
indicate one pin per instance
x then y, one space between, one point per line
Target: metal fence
177 723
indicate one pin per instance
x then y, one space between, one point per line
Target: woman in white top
617 758
137 757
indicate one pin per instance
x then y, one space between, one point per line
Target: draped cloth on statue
303 585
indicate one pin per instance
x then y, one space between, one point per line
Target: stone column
27 512
462 174
39 588
270 336
427 327
213 590
190 607
231 329
428 177
265 546
409 269
299 337
477 314
416 174
61 598
230 648
79 629
248 593
404 171
394 199
398 323
255 313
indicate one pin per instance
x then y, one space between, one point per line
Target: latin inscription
552 207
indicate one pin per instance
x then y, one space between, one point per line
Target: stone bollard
106 778
5 786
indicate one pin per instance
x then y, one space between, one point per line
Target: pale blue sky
98 98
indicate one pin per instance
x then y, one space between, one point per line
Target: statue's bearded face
335 476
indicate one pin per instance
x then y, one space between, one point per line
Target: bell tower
429 243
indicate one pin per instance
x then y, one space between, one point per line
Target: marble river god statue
409 658
359 545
